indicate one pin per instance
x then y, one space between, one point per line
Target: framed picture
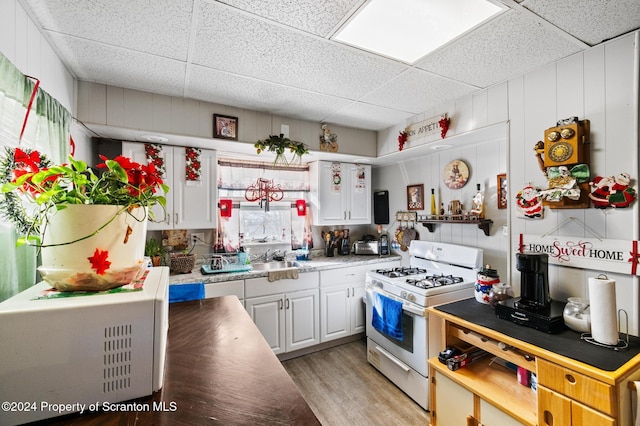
502 190
456 174
415 197
225 127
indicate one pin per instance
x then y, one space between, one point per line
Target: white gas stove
438 273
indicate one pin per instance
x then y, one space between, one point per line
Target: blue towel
185 292
387 316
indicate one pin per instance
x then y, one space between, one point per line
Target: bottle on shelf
433 202
477 204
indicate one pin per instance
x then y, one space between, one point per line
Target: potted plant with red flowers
90 226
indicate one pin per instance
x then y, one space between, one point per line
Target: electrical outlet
197 237
505 231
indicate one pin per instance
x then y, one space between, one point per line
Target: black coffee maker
534 280
534 308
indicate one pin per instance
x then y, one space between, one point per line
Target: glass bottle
433 202
477 204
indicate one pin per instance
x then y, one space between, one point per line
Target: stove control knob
376 283
408 296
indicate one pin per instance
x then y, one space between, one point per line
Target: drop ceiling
277 56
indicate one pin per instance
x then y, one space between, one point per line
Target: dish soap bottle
477 204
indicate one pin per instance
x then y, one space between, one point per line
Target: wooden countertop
219 370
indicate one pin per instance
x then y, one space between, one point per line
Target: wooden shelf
484 224
497 385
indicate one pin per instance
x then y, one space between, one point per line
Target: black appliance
534 308
381 207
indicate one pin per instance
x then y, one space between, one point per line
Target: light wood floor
342 388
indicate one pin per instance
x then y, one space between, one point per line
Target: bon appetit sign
424 128
619 256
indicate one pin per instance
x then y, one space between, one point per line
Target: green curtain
48 131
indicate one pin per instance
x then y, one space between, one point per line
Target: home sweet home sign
619 256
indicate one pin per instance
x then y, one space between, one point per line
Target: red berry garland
444 126
402 138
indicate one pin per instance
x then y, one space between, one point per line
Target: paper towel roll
635 404
604 323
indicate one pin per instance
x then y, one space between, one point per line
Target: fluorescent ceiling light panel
407 30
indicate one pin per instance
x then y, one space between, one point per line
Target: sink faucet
266 255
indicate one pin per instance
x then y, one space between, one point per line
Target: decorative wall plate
456 174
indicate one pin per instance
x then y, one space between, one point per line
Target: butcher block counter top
218 370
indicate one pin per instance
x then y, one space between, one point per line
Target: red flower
99 261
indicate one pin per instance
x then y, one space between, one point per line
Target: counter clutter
316 263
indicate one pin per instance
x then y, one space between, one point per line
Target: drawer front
255 287
576 386
224 288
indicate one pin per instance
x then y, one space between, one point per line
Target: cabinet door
553 408
195 202
583 415
161 219
358 321
327 203
302 324
336 322
358 193
268 314
492 416
453 403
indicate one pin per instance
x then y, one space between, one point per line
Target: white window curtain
48 131
234 176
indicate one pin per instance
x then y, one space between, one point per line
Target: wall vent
117 358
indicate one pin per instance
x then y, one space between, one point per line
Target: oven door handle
393 359
406 307
413 310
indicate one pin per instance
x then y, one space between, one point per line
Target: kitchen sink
275 265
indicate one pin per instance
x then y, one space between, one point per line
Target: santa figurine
529 203
612 191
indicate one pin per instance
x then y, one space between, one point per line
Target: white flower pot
113 257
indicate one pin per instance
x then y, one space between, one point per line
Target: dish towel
387 316
185 292
291 274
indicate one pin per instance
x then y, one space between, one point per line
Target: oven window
407 333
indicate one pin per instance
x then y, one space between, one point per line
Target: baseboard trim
322 346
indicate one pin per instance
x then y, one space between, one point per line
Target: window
250 221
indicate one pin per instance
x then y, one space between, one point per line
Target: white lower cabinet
289 318
341 305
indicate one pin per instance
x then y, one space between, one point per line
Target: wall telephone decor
564 158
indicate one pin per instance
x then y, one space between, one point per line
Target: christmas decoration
444 126
193 166
402 139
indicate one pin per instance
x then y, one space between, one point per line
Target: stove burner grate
431 281
400 271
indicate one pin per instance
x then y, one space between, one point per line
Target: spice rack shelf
484 224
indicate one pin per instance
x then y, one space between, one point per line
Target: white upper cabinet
190 204
340 193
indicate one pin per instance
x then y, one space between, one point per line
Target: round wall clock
456 174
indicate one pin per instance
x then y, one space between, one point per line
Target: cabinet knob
570 379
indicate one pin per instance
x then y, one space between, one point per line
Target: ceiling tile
242 44
121 67
316 17
161 28
506 47
417 91
224 88
367 116
605 19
